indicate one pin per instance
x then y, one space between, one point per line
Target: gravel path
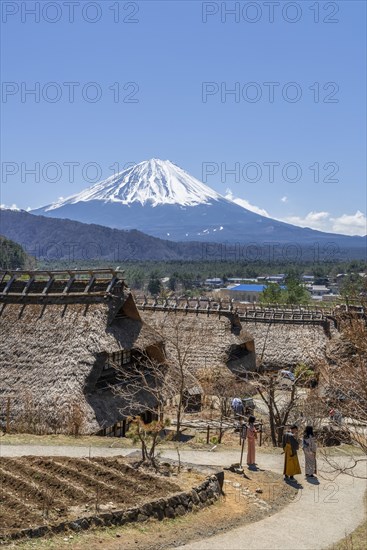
60 450
320 516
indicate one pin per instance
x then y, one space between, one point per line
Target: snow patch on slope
246 204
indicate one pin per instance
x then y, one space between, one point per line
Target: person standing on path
309 448
251 438
290 448
238 409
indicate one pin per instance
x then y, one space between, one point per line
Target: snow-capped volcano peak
154 182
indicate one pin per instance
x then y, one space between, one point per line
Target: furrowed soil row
45 481
111 477
117 479
52 471
119 467
117 464
29 491
38 491
94 484
14 512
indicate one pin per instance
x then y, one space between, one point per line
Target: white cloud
315 220
7 207
246 204
347 224
357 223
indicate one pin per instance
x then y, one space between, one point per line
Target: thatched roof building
60 333
284 346
210 339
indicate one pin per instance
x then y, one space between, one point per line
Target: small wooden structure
192 398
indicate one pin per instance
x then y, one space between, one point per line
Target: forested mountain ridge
63 239
54 239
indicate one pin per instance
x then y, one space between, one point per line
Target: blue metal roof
249 288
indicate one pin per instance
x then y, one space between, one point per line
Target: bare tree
179 353
144 388
285 403
75 418
312 410
165 374
183 343
282 401
223 386
344 385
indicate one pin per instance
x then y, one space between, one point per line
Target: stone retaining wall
175 505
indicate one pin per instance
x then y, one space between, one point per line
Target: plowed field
35 491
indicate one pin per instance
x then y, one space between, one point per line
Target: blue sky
172 63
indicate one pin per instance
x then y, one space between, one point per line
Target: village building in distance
248 290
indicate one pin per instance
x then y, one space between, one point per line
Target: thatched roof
280 343
284 346
211 340
53 346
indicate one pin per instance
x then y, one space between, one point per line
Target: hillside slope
55 239
68 240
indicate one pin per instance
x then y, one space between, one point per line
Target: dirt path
59 450
319 517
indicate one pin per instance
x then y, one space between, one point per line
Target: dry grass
357 540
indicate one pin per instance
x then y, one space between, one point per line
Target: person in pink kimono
251 438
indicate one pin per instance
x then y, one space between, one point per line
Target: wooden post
261 432
123 434
207 433
242 448
8 416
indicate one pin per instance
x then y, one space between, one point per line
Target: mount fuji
160 199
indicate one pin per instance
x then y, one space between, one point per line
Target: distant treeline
12 255
187 273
